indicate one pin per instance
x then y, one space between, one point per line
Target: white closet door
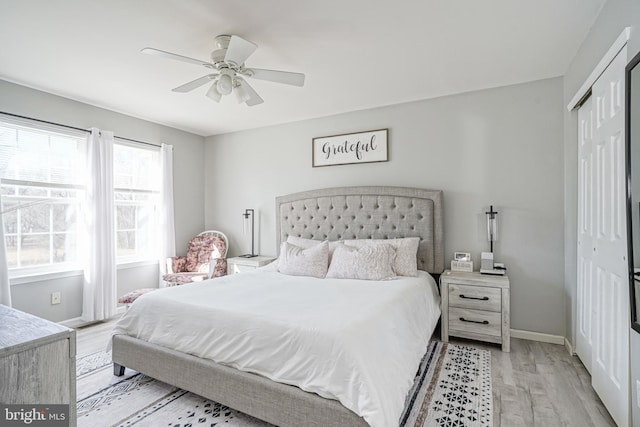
585 309
610 356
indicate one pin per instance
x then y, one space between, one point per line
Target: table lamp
249 213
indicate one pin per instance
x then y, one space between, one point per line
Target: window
136 192
41 189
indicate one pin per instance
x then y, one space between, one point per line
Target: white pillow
372 262
406 263
296 261
307 243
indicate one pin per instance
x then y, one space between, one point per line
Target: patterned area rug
452 388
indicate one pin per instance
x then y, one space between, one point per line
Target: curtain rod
75 128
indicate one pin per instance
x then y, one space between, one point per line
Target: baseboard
569 347
77 322
537 336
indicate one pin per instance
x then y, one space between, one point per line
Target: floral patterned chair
205 259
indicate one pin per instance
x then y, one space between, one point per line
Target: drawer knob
484 322
478 298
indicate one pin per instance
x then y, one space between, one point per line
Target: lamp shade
213 92
492 229
249 213
492 226
224 84
241 93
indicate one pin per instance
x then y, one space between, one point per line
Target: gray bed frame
332 214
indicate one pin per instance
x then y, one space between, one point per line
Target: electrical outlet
55 298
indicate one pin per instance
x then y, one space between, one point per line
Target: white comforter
356 341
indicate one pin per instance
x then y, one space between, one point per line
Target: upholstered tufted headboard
367 213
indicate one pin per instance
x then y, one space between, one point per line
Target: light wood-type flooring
537 384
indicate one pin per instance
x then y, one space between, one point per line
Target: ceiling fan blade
162 53
188 87
254 98
239 50
286 77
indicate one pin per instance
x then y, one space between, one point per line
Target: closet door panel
586 229
610 356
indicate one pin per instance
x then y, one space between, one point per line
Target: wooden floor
537 384
540 384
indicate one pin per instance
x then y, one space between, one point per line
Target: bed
329 214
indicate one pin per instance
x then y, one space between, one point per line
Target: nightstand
475 306
239 264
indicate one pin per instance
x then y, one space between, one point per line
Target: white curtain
99 291
5 287
167 230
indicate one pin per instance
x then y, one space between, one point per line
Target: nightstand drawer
475 321
475 297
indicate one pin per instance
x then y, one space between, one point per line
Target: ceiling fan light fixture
241 93
213 92
224 84
228 59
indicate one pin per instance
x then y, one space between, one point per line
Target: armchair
205 259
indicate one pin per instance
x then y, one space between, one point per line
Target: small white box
462 265
486 261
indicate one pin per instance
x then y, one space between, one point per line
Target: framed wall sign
350 148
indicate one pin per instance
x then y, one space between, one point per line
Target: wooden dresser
475 306
37 361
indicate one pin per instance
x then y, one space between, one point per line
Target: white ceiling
356 54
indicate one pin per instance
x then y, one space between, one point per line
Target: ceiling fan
228 60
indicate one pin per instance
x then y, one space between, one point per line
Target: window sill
25 278
136 263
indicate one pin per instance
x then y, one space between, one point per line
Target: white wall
500 146
35 297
